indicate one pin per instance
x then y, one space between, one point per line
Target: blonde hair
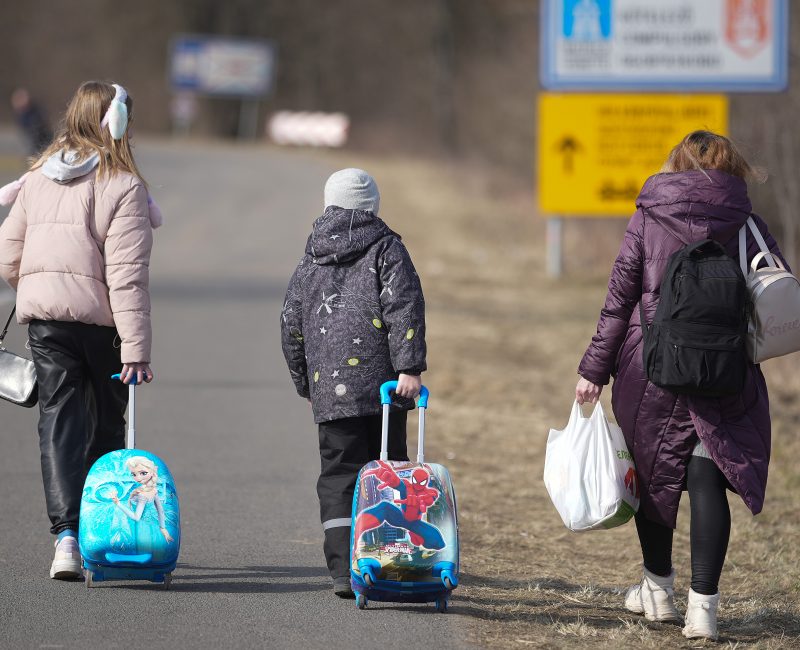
140 461
80 131
701 150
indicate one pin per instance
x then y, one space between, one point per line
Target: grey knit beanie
353 189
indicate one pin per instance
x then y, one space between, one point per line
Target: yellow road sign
596 151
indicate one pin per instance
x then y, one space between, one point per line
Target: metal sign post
248 119
555 247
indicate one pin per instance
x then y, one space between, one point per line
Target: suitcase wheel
361 601
446 572
87 578
441 604
370 570
167 580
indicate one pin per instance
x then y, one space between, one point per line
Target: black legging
709 533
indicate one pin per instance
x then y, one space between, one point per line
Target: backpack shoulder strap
762 245
743 249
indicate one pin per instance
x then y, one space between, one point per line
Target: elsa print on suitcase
149 519
135 505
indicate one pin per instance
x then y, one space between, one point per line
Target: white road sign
724 45
222 66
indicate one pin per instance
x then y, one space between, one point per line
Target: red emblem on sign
747 25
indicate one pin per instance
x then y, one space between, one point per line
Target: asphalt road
223 415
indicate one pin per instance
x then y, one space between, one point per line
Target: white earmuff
116 117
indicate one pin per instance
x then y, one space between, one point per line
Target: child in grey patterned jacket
354 317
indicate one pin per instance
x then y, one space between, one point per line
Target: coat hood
65 166
341 235
707 194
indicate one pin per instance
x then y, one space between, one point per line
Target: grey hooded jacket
354 315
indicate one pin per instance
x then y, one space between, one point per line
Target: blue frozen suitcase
404 533
129 527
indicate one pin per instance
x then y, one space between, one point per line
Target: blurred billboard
210 65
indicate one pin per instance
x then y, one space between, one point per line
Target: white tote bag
774 325
589 472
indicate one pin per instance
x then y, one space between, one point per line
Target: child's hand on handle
141 371
586 391
408 385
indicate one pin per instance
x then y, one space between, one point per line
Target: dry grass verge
504 343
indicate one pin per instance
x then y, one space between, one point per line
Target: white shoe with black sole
67 561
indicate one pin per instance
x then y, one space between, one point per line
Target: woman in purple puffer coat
705 445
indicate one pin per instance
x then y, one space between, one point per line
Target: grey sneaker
67 561
342 588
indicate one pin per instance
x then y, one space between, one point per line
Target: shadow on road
256 571
239 580
245 587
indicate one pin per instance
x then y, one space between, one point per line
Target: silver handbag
17 375
774 325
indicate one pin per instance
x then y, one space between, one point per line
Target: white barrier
308 129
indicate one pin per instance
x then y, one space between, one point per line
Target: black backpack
696 342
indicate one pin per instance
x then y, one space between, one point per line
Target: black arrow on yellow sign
568 146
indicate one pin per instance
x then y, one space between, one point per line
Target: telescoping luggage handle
422 404
130 439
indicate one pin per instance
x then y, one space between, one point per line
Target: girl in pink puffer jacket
76 247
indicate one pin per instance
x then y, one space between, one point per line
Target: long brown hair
703 150
80 131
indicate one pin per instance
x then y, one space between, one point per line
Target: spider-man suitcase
129 527
404 533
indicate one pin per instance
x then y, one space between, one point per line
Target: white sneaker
67 561
701 616
653 597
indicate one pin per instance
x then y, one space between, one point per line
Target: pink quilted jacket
80 252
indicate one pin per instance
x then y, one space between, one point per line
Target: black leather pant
81 409
345 446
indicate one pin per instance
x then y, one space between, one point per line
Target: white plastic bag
589 472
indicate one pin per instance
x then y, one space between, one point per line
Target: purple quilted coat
660 427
